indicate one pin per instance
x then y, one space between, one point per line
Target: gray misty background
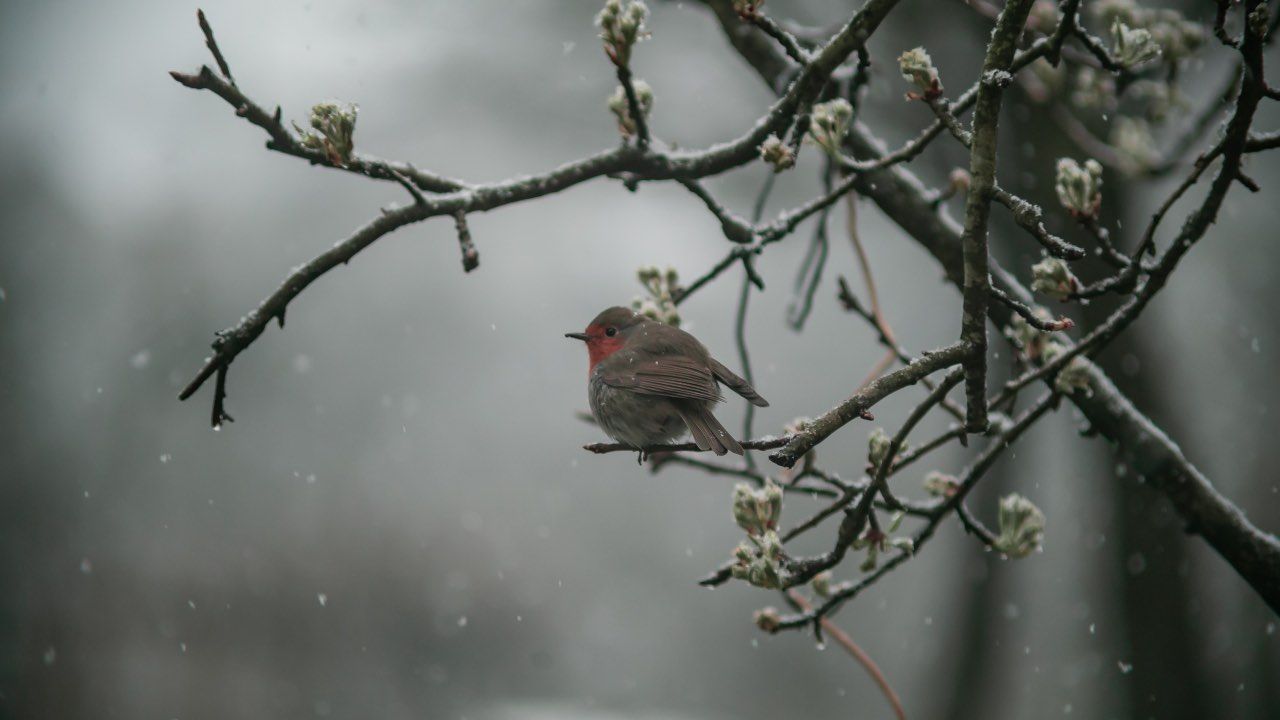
401 524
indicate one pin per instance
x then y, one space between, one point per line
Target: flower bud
621 27
1021 526
940 484
878 443
767 619
744 509
829 122
621 109
1079 187
772 503
1052 277
917 68
1132 46
777 153
1073 377
333 127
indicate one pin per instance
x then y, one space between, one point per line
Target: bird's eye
611 332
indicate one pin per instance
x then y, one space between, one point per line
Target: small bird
649 382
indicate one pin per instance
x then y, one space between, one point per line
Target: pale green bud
621 27
1073 377
621 109
829 122
917 68
1052 277
878 444
1079 187
777 153
767 619
333 127
1132 46
940 484
744 509
1021 526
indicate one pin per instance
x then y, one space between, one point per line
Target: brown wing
668 376
737 384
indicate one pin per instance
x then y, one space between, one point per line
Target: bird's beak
577 336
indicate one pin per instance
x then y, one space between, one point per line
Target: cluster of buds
1079 187
1168 30
747 9
829 122
941 485
876 541
1021 527
917 68
757 511
878 445
621 27
777 153
1132 46
1073 377
621 109
1134 143
759 559
1052 277
333 128
660 304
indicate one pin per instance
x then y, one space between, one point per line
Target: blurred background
401 522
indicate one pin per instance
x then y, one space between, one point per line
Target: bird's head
607 333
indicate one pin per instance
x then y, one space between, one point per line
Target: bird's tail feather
708 433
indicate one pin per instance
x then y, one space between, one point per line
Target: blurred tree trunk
1168 679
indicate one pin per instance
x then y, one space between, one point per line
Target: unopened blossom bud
621 26
960 180
621 108
777 153
940 484
744 509
917 68
1132 46
878 444
771 501
829 122
1052 277
767 619
1021 526
333 127
1073 377
1079 187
